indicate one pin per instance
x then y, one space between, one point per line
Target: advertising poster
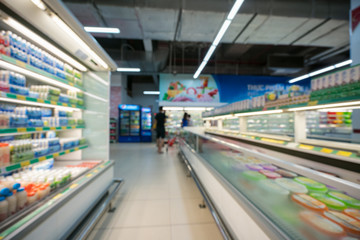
175 90
216 90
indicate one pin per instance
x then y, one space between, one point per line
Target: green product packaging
311 185
349 201
329 201
253 175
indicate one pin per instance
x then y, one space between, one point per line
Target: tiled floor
157 200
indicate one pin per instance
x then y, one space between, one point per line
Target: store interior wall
115 94
137 96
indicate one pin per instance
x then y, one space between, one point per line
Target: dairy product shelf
19 165
37 129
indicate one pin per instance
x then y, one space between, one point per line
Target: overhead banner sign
216 90
183 90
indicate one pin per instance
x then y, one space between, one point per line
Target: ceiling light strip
317 72
128 69
37 76
101 29
151 92
235 8
43 43
37 104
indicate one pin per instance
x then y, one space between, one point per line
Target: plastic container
31 197
253 175
12 203
311 185
291 185
271 187
309 202
21 197
354 213
348 223
349 201
322 224
329 201
4 208
286 173
270 174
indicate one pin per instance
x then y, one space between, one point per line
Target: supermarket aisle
157 200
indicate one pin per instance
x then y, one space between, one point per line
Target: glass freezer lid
301 207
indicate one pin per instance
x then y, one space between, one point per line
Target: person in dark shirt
160 119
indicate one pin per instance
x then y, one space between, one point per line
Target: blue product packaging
63 98
19 90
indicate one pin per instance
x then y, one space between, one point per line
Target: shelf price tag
307 147
67 151
313 103
20 64
42 158
53 102
38 129
20 97
26 163
55 155
77 148
326 150
57 196
40 100
63 128
64 104
21 130
344 153
73 186
52 128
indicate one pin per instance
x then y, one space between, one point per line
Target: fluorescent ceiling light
128 69
43 43
299 78
321 71
102 30
344 63
228 116
37 76
39 4
38 104
221 32
338 65
235 9
219 36
194 108
76 38
259 113
325 106
201 67
209 53
151 92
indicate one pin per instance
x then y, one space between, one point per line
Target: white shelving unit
52 28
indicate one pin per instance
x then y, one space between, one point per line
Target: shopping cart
171 135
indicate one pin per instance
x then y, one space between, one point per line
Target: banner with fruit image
184 89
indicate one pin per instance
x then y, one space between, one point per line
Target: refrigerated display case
129 123
63 165
146 124
113 130
261 195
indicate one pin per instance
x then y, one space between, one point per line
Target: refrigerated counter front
259 196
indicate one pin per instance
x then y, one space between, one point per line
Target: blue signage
129 107
144 109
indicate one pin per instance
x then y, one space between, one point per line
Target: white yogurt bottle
4 208
21 197
12 203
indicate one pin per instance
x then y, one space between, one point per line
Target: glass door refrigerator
146 124
129 123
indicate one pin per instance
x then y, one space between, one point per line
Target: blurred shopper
184 121
160 119
190 123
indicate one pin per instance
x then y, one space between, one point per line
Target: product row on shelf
113 130
15 149
14 46
11 82
24 188
332 125
13 116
